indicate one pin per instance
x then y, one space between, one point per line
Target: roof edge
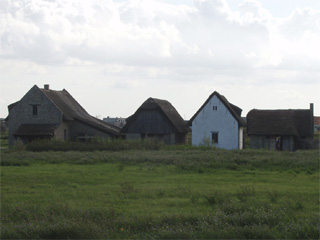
227 104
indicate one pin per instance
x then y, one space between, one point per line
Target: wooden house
316 124
281 129
218 123
46 113
156 118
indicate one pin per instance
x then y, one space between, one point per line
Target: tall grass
96 144
229 220
166 192
3 138
194 160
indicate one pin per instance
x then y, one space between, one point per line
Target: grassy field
4 139
171 193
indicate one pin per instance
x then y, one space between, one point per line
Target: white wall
241 138
221 121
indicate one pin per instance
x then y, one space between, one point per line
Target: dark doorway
279 143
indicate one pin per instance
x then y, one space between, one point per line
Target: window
35 110
215 138
65 134
215 108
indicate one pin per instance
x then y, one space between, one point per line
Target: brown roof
280 122
167 109
233 109
72 110
316 121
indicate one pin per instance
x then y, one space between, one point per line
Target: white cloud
130 44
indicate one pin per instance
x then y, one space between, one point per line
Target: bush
97 144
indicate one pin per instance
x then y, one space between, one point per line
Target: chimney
311 117
46 87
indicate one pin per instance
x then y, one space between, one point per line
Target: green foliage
96 144
127 187
231 220
164 194
245 192
274 196
216 198
183 158
206 142
3 139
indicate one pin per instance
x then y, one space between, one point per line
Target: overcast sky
111 55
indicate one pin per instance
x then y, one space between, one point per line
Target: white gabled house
218 123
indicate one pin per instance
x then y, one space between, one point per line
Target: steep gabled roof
233 109
72 110
166 108
280 122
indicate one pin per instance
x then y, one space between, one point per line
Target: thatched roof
72 110
36 129
280 122
233 109
166 108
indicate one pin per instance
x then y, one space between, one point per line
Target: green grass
173 193
4 139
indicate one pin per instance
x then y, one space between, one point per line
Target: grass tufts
245 192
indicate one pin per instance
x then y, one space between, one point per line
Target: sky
112 55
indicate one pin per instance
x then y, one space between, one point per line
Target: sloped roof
72 110
280 122
233 109
167 109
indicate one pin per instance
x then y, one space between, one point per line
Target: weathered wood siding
81 129
257 141
151 122
154 124
270 143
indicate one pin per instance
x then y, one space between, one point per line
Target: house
3 125
316 124
218 123
117 121
156 118
46 113
281 129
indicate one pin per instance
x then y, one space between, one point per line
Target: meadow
161 192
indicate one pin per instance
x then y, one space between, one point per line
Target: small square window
215 108
215 138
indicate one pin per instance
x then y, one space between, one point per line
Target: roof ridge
176 120
228 105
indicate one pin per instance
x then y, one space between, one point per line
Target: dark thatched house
286 130
156 118
46 113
